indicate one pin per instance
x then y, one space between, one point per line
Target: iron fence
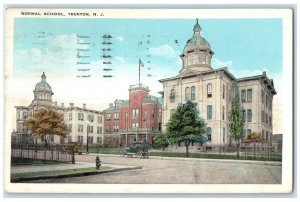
59 153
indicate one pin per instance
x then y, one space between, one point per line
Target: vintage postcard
148 100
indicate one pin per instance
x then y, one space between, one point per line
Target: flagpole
139 71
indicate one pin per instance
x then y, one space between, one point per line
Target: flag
141 64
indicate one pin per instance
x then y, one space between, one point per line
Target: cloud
164 51
217 63
119 38
119 59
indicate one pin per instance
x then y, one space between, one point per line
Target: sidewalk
37 172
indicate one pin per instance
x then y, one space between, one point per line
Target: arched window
209 90
193 93
172 96
187 93
209 134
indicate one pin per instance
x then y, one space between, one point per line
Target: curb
274 163
22 179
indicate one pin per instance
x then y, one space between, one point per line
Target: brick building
136 119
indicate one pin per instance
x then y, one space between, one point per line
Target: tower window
208 132
172 96
193 93
209 112
209 90
187 93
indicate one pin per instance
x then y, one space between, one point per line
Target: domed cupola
197 53
43 90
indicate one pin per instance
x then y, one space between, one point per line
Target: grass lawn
59 172
23 162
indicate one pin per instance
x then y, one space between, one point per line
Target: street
180 171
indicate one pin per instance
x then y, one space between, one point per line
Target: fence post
73 154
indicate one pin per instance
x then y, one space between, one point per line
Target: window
107 117
24 115
244 115
80 116
262 97
135 113
116 128
172 96
266 118
248 131
266 100
209 112
99 119
243 95
107 129
90 129
91 118
99 130
223 134
99 140
223 91
135 125
263 135
249 95
262 116
270 121
80 128
70 117
209 134
171 112
223 113
116 116
187 93
159 112
152 112
145 116
193 93
267 136
202 58
90 139
70 127
249 115
80 139
209 90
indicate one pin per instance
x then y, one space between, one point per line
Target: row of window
209 134
90 118
265 118
190 94
43 96
246 95
266 100
135 114
247 118
90 129
90 139
265 135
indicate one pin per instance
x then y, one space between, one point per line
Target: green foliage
186 126
236 119
47 122
161 141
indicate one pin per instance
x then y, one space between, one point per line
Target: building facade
211 90
84 124
135 119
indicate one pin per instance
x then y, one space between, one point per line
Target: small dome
196 42
43 85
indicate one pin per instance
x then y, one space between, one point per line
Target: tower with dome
211 90
84 124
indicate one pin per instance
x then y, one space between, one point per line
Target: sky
246 46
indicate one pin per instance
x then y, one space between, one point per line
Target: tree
161 141
236 120
186 126
47 123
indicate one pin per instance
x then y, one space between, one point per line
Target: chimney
71 104
84 106
111 105
62 105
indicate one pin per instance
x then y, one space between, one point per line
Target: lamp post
87 137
